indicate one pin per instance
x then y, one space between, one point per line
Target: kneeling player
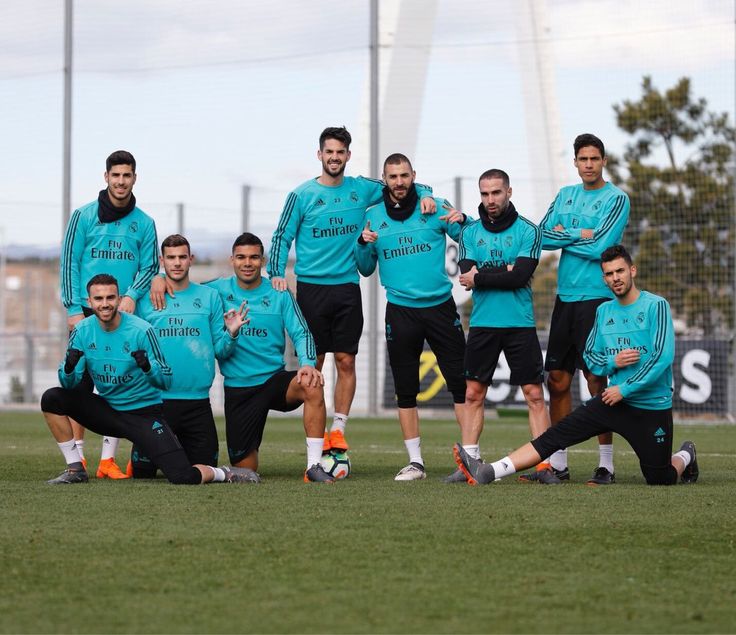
124 359
255 379
632 342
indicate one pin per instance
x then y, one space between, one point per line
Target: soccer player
497 258
192 334
109 235
123 357
583 221
255 378
325 217
633 343
409 249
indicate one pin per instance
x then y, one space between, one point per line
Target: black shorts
568 331
246 410
86 384
192 422
648 432
406 330
334 314
519 345
144 427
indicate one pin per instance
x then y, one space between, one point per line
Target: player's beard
330 168
111 316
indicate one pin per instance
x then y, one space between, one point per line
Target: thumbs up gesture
368 235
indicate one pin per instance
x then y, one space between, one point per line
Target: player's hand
309 377
586 234
467 279
127 304
159 288
73 355
368 235
235 318
453 215
141 359
558 228
427 205
509 267
626 357
611 395
73 320
279 283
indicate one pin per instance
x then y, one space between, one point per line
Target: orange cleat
129 469
109 469
338 442
326 445
84 463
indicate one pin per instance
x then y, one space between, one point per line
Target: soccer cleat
477 472
129 469
691 473
545 476
563 474
240 475
602 476
317 474
69 477
326 445
338 442
84 464
412 472
458 476
109 469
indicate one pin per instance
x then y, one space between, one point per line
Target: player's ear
633 271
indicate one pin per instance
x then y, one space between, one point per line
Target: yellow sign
428 365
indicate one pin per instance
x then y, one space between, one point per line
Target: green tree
682 209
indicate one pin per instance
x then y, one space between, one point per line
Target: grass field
368 554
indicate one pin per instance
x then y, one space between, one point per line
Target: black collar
108 213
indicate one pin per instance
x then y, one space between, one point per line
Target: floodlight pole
245 209
66 196
373 287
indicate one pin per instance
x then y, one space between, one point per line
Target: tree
681 228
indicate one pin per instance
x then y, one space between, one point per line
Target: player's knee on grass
53 401
406 401
182 476
659 475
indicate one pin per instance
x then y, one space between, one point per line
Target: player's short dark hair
103 278
175 240
614 252
247 239
339 134
120 157
495 173
587 139
396 159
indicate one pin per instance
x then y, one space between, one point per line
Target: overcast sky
212 94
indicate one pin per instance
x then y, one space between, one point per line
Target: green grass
368 554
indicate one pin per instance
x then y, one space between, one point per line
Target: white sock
219 474
473 450
413 447
338 422
685 456
314 450
504 467
606 456
80 447
558 460
70 452
109 447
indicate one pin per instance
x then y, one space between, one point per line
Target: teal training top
325 221
606 212
410 255
501 308
259 352
191 331
645 325
126 248
107 357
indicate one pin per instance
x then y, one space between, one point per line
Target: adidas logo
568 201
660 433
481 243
610 322
319 202
230 298
384 225
93 346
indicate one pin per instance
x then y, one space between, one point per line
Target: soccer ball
336 464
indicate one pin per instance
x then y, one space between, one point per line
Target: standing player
325 217
191 332
255 379
498 256
583 221
122 355
409 249
632 341
110 235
